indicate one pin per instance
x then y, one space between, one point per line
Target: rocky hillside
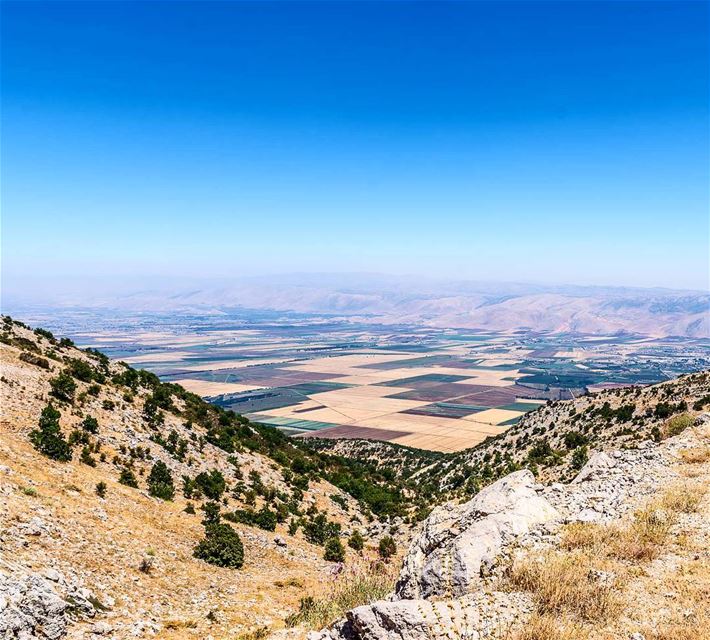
133 508
620 553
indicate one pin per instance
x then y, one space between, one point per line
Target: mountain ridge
431 302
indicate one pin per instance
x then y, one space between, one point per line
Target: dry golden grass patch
696 455
575 583
586 535
683 498
360 584
695 626
582 588
546 627
644 537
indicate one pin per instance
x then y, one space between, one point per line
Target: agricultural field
436 389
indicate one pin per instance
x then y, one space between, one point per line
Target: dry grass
692 629
358 585
567 583
586 535
545 627
643 539
683 498
573 598
697 455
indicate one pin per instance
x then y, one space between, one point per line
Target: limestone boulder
458 541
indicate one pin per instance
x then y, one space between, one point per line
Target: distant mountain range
440 303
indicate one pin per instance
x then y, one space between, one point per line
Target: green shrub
221 546
90 424
580 457
101 489
45 334
318 529
387 547
160 482
211 511
356 541
574 439
678 424
86 457
265 519
128 478
63 387
212 484
81 370
48 439
334 551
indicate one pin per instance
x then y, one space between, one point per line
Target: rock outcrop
458 542
473 617
35 606
447 584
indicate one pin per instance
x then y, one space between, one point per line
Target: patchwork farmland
442 390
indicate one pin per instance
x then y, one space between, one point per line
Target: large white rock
446 557
595 468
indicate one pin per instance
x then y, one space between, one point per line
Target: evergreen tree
160 482
221 546
48 439
63 387
90 424
211 511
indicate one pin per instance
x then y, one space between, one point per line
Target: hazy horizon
544 142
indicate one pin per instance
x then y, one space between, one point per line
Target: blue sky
550 142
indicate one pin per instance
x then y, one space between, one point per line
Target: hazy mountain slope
439 303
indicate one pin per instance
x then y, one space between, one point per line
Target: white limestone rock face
446 557
34 606
30 608
596 467
472 617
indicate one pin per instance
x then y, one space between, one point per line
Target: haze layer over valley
395 300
